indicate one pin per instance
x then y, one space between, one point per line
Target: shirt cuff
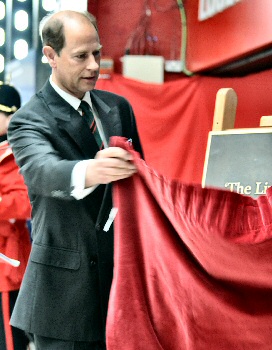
78 181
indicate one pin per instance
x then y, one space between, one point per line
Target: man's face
76 69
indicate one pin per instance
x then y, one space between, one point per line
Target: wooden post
225 109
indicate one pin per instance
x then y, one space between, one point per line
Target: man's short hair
52 29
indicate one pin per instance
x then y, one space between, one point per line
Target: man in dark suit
64 294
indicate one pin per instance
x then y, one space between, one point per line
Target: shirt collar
72 100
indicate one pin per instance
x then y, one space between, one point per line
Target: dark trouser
43 343
20 340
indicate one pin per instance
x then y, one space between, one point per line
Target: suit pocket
58 257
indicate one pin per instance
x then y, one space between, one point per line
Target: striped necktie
88 114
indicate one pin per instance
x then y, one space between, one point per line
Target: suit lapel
79 130
70 121
109 117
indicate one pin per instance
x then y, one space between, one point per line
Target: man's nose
92 63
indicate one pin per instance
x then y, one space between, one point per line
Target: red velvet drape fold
192 266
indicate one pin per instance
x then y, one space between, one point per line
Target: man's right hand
109 164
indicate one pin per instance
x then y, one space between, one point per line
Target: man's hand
110 164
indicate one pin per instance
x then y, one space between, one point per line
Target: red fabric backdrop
120 21
174 118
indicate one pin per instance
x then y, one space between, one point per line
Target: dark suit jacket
65 290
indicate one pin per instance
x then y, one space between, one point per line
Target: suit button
93 262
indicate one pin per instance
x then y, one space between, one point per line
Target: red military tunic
14 235
14 211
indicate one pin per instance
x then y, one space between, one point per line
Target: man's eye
96 53
82 56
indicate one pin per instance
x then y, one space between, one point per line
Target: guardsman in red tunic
14 234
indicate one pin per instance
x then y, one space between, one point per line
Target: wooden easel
237 159
225 111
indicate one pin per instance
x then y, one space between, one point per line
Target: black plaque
239 160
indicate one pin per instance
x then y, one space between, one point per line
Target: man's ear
50 54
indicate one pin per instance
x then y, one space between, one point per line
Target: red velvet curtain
192 266
174 118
